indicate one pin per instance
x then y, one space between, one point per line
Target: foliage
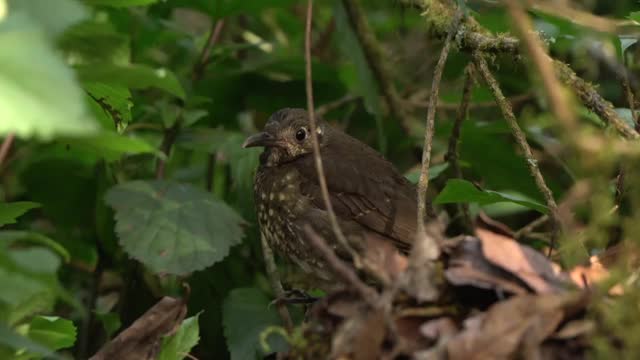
125 178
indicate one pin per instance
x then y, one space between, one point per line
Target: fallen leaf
141 340
588 276
467 266
532 267
520 323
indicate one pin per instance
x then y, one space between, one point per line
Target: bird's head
286 136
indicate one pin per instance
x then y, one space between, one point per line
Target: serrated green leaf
39 96
134 76
114 100
9 212
121 3
178 345
171 227
18 342
462 191
246 313
53 332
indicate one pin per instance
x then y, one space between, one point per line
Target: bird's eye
301 134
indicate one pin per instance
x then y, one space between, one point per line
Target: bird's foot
295 296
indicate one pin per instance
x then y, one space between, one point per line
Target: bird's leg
295 296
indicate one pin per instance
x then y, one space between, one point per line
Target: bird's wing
365 188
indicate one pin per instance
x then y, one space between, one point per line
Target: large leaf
9 212
134 76
178 345
171 227
38 93
68 12
15 341
225 8
53 332
110 145
461 191
246 313
120 3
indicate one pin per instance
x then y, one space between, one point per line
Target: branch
314 138
375 56
454 140
473 37
6 146
423 182
507 113
276 285
171 134
340 268
203 60
560 104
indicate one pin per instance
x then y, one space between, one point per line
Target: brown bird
371 199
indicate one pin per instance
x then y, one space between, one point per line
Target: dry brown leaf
360 337
467 266
141 340
383 259
588 276
532 267
520 323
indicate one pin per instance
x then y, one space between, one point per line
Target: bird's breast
279 203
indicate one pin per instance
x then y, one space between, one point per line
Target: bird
370 197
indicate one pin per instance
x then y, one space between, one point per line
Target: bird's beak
260 139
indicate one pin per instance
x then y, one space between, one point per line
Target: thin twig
276 285
507 113
557 97
205 54
171 134
513 100
423 182
473 37
376 59
6 146
340 268
347 99
314 138
527 229
169 137
454 139
632 103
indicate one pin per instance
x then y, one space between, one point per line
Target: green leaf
134 76
461 191
110 146
434 172
9 212
95 41
121 3
39 96
246 313
173 228
53 332
8 237
225 8
114 100
67 12
635 16
15 341
178 345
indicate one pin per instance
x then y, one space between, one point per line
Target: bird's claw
294 296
